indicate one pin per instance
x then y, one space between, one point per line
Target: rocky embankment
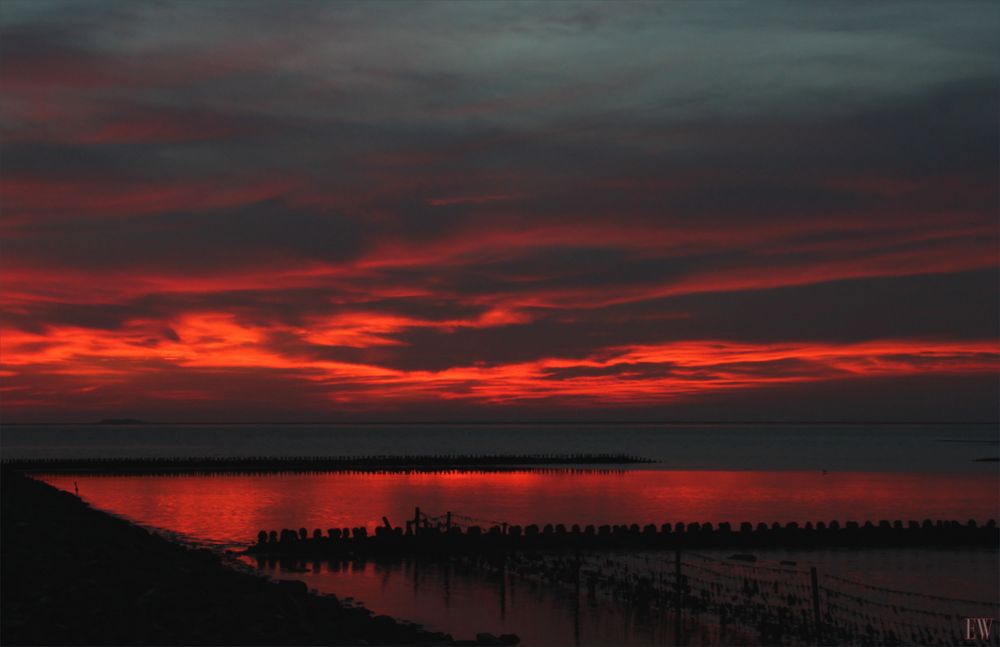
74 575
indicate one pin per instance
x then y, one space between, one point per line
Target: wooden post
416 520
576 601
503 588
679 601
818 619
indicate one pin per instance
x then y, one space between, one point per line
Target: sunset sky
499 211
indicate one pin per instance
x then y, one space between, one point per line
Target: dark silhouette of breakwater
418 538
269 464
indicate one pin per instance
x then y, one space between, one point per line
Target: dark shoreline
77 576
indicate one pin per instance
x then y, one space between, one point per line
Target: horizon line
543 422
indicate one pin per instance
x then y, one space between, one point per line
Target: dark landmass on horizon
120 421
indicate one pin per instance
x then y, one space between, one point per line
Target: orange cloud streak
610 376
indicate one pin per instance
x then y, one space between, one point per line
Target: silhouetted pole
679 602
447 585
815 591
416 520
576 602
503 588
448 522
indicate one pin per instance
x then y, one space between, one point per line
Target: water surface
704 473
232 508
843 447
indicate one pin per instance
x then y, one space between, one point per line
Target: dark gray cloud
259 234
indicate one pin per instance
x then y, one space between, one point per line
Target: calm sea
703 473
856 447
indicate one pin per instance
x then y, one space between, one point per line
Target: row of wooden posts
424 533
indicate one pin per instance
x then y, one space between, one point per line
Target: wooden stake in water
815 592
679 602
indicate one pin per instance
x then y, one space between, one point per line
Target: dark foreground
74 575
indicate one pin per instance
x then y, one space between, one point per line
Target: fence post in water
815 591
679 603
416 520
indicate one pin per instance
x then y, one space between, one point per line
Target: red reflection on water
464 601
233 508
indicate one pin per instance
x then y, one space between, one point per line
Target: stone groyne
416 538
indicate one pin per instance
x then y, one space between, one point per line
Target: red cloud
615 376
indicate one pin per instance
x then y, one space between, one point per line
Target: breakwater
451 538
265 464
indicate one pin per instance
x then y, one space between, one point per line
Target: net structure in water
788 605
783 604
882 615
